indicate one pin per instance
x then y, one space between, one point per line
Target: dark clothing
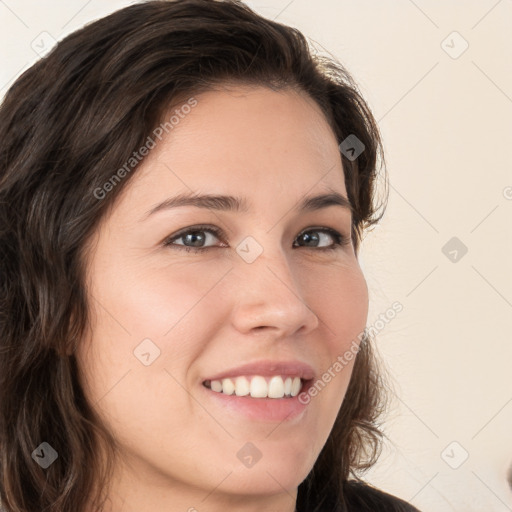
361 497
357 496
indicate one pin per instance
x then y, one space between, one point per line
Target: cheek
152 302
164 312
172 307
342 306
341 302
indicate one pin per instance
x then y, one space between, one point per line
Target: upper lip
267 368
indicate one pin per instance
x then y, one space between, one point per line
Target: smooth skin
212 310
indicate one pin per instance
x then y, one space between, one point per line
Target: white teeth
295 386
216 385
242 386
288 386
276 387
258 386
227 386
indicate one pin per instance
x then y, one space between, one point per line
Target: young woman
184 188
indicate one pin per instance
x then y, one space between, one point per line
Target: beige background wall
446 118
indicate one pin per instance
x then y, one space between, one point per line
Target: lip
263 409
270 410
267 368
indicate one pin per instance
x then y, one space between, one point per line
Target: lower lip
261 409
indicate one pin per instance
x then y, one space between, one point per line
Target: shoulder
362 497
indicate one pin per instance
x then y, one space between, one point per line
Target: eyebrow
240 205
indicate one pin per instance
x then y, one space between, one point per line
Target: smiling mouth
257 386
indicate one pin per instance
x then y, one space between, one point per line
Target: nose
270 298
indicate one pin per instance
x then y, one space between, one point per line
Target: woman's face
272 286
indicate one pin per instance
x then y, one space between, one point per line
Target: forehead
246 141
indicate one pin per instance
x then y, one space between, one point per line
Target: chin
268 478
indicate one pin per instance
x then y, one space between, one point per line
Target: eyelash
340 240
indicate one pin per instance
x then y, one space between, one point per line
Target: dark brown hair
66 125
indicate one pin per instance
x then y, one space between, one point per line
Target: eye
196 236
311 237
193 235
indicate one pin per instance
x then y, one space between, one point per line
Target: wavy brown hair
66 124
